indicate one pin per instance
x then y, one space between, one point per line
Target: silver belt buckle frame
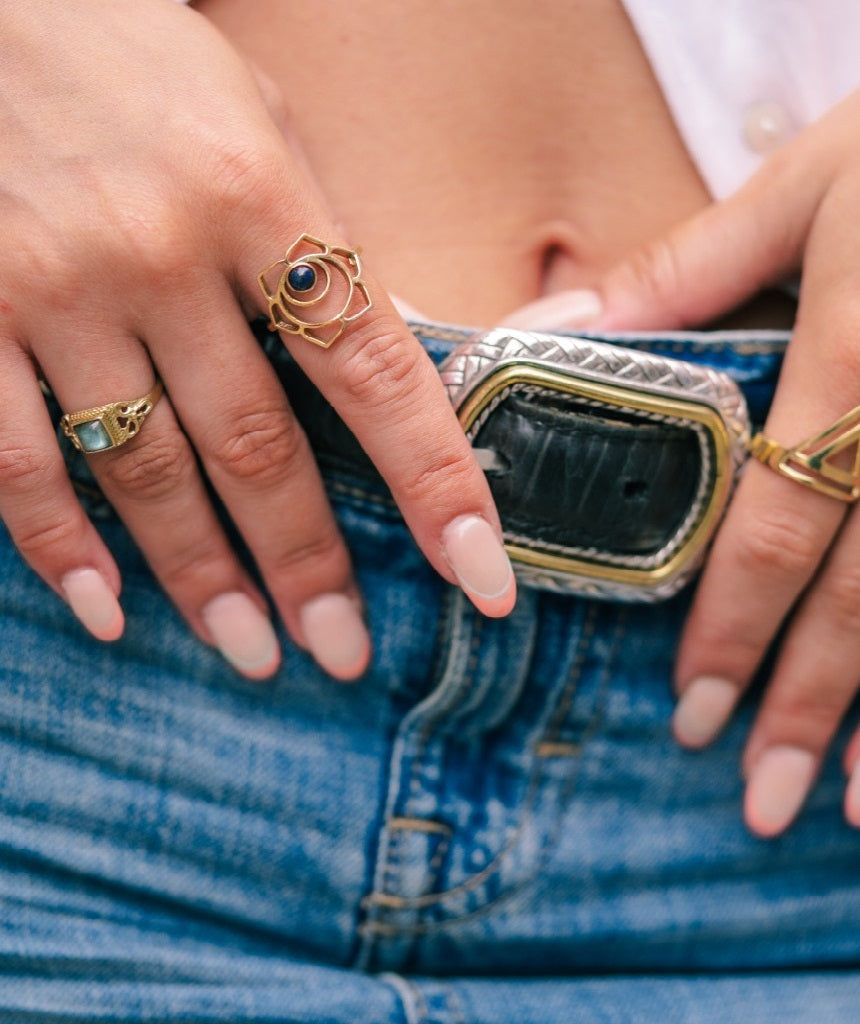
482 372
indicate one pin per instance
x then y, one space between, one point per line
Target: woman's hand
143 187
785 555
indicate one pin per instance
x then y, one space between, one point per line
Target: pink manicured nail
479 561
778 785
563 309
852 798
94 603
703 710
336 635
243 634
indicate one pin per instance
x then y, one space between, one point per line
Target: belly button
558 255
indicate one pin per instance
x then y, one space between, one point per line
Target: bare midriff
482 153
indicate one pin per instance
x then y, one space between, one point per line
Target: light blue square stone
93 436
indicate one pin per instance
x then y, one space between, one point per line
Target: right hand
143 186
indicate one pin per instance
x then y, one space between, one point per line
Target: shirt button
767 126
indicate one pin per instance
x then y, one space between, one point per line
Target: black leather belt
610 467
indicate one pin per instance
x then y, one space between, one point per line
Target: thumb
709 264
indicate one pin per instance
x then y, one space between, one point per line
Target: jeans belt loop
611 467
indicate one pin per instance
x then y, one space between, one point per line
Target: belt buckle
620 388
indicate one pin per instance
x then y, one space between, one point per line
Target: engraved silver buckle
482 372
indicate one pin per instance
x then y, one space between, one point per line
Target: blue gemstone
302 278
93 436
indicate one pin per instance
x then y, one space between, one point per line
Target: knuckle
841 592
448 472
806 714
778 544
321 555
153 469
245 178
262 447
382 369
21 465
40 538
154 242
191 564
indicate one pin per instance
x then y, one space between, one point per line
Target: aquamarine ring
109 426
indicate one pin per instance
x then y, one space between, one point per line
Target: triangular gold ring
829 462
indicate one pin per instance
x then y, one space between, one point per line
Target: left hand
785 555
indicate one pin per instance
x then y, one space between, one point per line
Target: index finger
343 331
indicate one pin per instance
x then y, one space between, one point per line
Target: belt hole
634 488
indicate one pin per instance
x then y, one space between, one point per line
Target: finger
777 532
154 484
712 262
37 503
812 686
852 791
259 460
386 389
765 554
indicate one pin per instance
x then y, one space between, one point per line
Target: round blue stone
302 278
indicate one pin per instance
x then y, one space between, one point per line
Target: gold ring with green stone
109 426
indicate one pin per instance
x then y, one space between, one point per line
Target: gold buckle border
477 400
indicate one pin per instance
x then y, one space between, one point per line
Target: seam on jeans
393 854
413 788
562 709
424 928
419 1001
678 342
452 334
433 899
435 865
414 1003
386 840
379 502
412 824
410 998
455 1007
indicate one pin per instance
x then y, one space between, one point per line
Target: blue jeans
493 825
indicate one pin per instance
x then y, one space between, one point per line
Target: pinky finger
40 509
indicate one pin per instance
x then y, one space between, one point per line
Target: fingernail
852 797
703 710
336 635
243 634
94 603
563 309
479 561
778 785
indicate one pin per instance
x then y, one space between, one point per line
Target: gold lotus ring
109 426
315 291
828 462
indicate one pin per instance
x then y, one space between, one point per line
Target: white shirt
742 76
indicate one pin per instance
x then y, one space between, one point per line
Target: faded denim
492 826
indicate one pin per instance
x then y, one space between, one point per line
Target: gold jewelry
317 292
109 426
828 462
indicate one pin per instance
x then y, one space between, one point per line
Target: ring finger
155 486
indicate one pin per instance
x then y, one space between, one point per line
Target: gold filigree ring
315 290
828 462
109 426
